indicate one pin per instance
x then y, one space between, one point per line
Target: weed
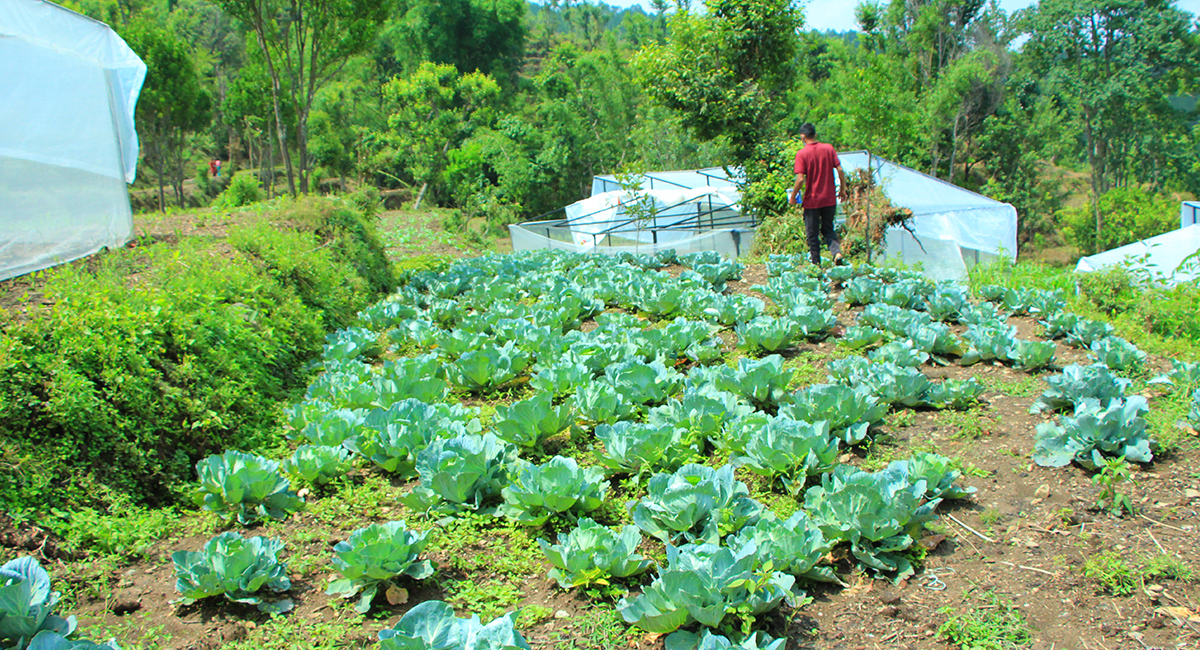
532 616
598 628
1065 516
494 547
996 626
1168 567
902 419
125 530
488 599
354 505
132 631
1111 476
880 453
1111 573
1023 386
296 633
968 425
990 516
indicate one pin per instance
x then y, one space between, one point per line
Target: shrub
1127 214
243 190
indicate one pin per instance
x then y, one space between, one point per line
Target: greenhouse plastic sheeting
952 228
730 243
673 180
1161 257
67 140
677 214
1189 214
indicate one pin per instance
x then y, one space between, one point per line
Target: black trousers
818 225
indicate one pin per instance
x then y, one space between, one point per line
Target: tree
1114 63
172 103
305 43
472 35
726 71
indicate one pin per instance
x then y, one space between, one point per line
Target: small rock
1191 493
562 613
1035 502
889 610
1029 543
302 492
1043 491
890 598
1157 623
845 458
1155 589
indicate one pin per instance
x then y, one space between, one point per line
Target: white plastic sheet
68 146
1161 258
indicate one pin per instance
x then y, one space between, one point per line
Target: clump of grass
995 626
1112 574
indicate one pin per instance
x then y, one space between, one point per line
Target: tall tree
172 103
728 70
1115 63
472 35
306 43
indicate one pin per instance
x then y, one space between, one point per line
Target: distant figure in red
212 168
218 161
814 168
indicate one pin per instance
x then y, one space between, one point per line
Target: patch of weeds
1065 516
598 628
126 530
995 626
532 616
902 419
481 543
130 632
1111 573
809 369
882 451
488 599
990 517
1168 567
302 633
1162 423
1022 386
354 505
967 425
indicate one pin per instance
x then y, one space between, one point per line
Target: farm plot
634 458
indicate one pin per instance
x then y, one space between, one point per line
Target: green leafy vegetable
849 411
235 567
27 604
696 503
1118 354
530 422
1095 431
432 625
559 486
244 485
790 450
639 448
592 554
374 557
318 465
1078 383
460 473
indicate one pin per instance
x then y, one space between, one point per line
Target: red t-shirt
817 162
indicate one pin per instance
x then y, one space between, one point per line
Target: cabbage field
644 439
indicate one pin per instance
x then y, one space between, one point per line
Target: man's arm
793 199
843 191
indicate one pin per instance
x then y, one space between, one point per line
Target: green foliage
559 486
794 545
1096 431
696 503
374 557
790 451
243 190
592 554
1111 573
1112 474
431 625
1128 214
999 626
235 567
124 530
850 412
1077 383
709 585
27 604
706 640
461 473
317 465
527 423
245 486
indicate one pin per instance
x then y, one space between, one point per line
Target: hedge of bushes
159 355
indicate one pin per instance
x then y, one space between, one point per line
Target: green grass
1111 573
997 625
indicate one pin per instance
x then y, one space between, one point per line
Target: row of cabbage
503 321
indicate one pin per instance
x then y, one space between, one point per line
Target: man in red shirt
814 172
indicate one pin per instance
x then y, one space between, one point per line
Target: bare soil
1024 537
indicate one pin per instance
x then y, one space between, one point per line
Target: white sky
839 14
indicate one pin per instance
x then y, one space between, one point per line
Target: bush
126 384
243 189
1127 214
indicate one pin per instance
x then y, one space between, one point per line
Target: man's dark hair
808 130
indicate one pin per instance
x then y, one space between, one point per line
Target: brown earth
1024 537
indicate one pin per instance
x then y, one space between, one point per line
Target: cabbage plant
560 379
850 411
374 558
644 383
557 487
706 640
245 486
938 472
1032 355
794 545
235 567
318 465
488 368
766 334
599 401
1086 331
432 625
592 554
858 337
27 604
352 343
878 514
989 342
1118 354
954 393
702 413
461 473
391 438
763 382
1096 431
638 448
1182 374
790 451
901 353
1058 324
529 422
707 584
1077 383
695 503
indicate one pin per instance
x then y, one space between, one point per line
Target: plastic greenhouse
67 140
954 228
1170 258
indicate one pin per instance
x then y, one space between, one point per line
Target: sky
838 15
